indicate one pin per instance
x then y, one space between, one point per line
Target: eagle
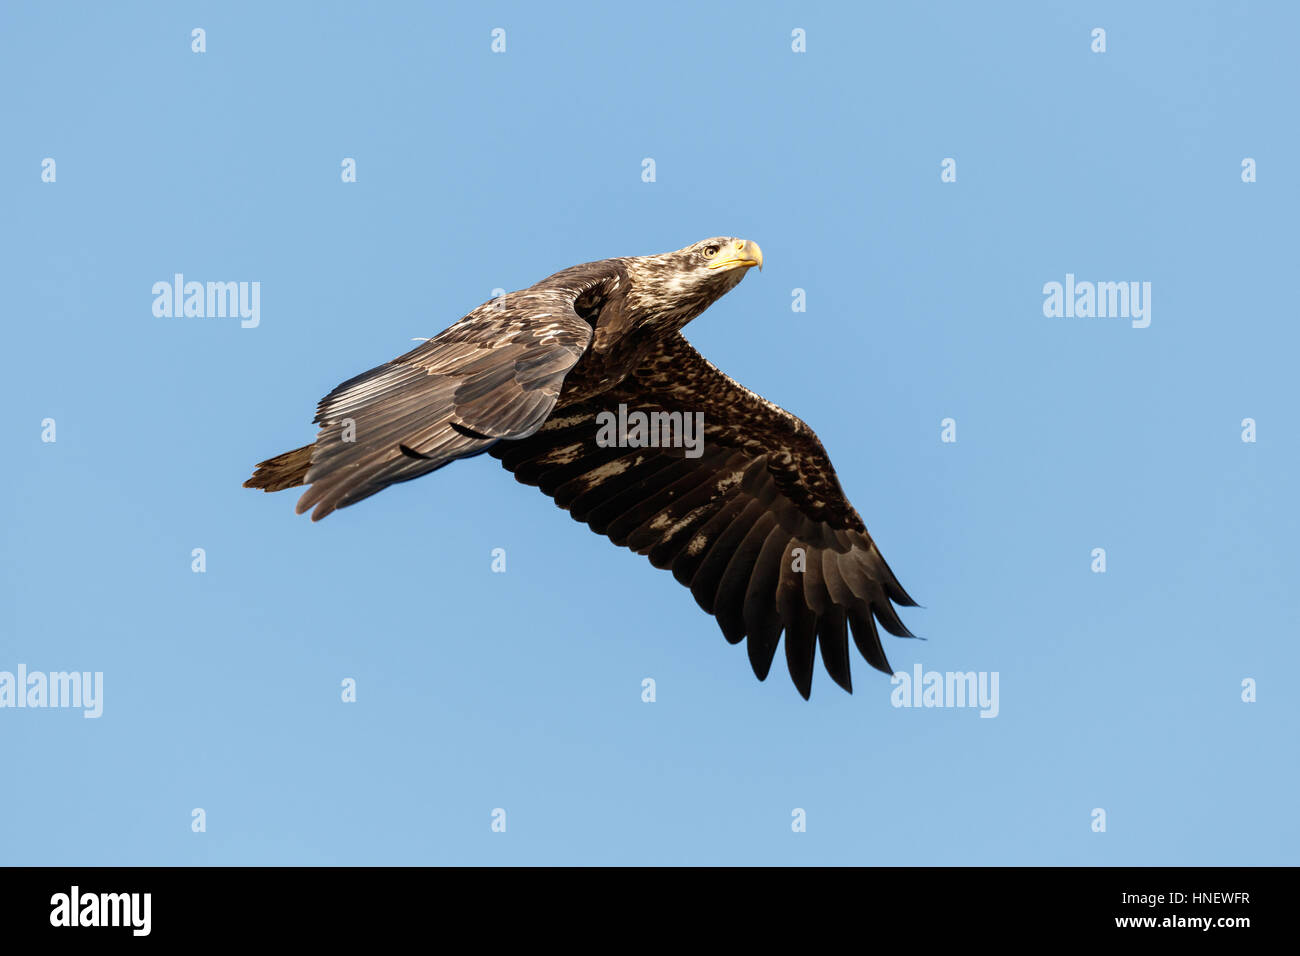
753 519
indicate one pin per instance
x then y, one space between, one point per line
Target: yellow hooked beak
740 253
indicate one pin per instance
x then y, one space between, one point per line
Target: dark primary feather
728 523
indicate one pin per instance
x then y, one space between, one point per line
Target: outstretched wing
495 374
756 526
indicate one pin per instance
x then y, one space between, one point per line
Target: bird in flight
752 519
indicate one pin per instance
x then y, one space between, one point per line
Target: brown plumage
755 523
283 471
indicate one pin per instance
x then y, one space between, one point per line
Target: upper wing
495 374
757 526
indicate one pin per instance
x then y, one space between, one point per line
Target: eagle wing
756 526
495 374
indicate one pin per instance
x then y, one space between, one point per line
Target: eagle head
671 289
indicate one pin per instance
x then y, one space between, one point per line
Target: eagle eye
710 251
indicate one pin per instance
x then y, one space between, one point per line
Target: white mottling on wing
685 522
728 482
563 455
608 470
560 422
660 520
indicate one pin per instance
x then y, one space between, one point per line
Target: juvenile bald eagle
754 522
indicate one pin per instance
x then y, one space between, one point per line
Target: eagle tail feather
283 471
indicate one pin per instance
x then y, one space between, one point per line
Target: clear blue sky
521 690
